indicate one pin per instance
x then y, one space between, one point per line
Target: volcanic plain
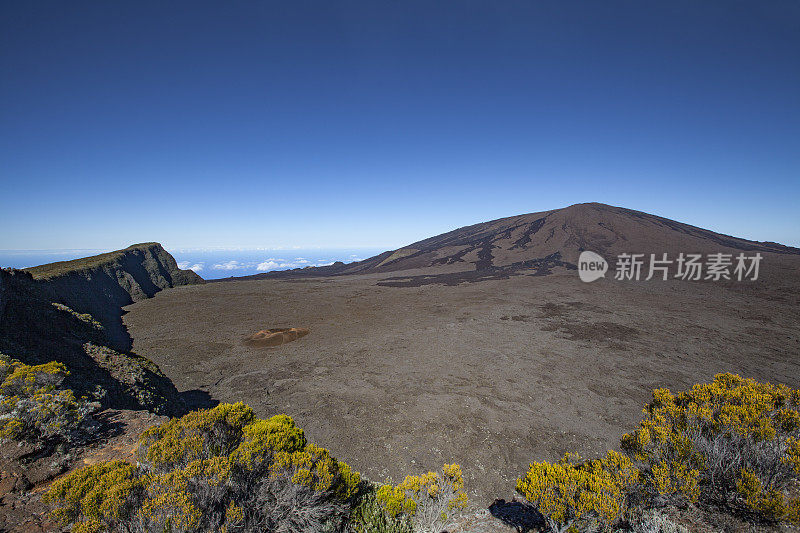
491 374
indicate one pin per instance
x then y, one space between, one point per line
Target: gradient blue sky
347 124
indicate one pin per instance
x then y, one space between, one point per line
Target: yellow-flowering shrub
264 437
33 408
371 516
96 497
732 441
200 434
218 469
430 500
792 458
574 492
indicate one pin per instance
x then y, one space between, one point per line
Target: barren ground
490 374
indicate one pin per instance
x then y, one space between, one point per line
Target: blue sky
375 124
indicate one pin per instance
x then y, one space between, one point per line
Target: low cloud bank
197 267
223 267
281 264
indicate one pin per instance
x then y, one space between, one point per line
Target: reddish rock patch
267 338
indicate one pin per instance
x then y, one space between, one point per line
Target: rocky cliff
71 312
101 285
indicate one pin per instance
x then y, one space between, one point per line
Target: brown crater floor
492 374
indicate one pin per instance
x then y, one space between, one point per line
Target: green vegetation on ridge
61 268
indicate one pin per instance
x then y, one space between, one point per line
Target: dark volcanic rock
102 285
71 312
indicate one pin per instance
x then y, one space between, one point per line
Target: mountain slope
546 240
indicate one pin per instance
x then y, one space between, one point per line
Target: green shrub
575 493
33 408
217 469
428 500
86 318
731 442
369 516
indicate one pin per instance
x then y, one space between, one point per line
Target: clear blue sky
344 124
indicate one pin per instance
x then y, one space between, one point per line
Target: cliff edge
71 312
101 285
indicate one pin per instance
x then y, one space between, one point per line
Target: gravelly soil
22 482
491 374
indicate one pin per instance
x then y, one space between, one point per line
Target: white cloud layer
229 265
197 267
281 264
267 265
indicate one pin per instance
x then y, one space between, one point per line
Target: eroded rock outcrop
71 312
101 285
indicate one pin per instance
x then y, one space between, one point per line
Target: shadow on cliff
35 331
103 292
74 316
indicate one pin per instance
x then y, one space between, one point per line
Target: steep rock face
102 285
71 312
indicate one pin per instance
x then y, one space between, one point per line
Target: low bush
33 407
86 318
574 493
370 516
218 469
733 443
429 500
654 522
